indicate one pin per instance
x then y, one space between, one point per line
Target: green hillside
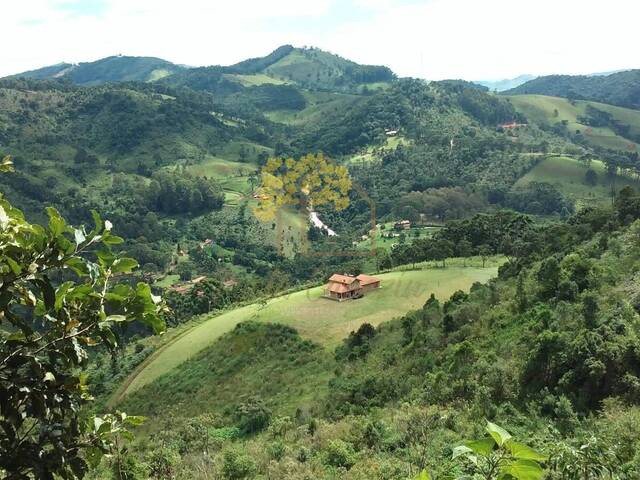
519 350
619 129
316 318
620 88
568 176
110 69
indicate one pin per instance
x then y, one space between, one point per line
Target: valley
167 232
320 320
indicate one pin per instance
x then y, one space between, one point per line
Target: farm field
547 110
568 176
316 318
387 243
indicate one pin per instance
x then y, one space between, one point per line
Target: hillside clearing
546 110
316 318
568 176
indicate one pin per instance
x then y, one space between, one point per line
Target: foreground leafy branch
500 457
58 296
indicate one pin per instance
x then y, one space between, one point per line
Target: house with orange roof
346 287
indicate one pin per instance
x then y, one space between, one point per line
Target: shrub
340 454
162 462
237 465
252 416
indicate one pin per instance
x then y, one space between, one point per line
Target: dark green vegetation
622 88
111 69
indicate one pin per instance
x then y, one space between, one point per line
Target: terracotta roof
344 279
337 287
367 279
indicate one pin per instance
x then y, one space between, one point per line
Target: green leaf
105 258
78 265
524 470
57 225
424 475
109 239
15 268
135 420
461 450
482 447
116 318
123 265
499 434
524 452
60 294
97 222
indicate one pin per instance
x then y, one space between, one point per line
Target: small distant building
402 225
229 283
391 133
512 125
346 287
198 279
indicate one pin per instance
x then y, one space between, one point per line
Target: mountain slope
506 84
622 89
110 69
598 124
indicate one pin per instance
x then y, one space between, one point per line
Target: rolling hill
317 319
110 69
621 88
598 124
568 176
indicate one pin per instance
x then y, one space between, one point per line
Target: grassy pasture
568 176
316 318
387 243
255 79
547 110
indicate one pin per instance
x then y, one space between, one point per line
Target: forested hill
110 69
621 88
305 67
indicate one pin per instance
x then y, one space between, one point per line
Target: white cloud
470 39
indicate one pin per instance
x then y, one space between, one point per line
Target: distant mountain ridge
306 67
117 68
505 84
621 89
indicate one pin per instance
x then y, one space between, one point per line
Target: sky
433 39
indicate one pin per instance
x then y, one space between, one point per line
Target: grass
255 79
318 105
234 367
542 109
316 318
372 152
167 281
568 176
